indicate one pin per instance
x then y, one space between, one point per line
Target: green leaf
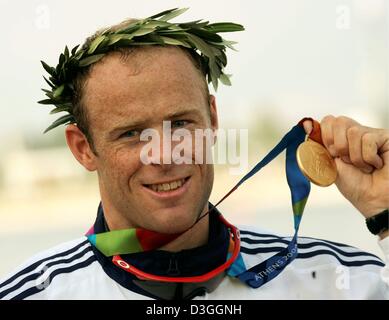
58 91
95 43
225 43
49 95
79 54
190 24
174 13
175 42
201 45
128 29
193 24
225 79
66 52
153 38
155 16
61 59
229 44
206 35
50 70
157 24
91 59
49 83
214 81
46 101
54 80
214 68
224 27
173 31
114 38
223 58
75 49
62 120
67 105
60 109
216 52
117 37
143 31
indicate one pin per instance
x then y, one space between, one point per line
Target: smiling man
156 235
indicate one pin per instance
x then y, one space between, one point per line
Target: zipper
173 266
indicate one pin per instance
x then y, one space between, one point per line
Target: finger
326 132
308 126
370 147
366 169
340 136
383 145
354 137
346 159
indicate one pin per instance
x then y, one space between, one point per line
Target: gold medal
316 163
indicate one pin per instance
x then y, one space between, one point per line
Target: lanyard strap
300 187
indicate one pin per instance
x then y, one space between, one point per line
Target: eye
130 134
179 123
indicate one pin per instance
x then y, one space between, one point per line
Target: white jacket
322 270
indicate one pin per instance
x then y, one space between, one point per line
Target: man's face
124 97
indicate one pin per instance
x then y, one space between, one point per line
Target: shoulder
37 274
262 244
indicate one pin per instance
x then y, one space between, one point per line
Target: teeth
167 186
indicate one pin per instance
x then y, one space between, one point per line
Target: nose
158 148
166 147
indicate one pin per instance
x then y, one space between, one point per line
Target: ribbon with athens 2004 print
299 185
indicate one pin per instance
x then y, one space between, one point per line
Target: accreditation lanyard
114 243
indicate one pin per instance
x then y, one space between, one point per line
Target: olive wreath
199 36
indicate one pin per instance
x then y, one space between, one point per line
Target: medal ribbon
300 187
134 240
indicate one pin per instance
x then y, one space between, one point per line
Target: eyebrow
142 123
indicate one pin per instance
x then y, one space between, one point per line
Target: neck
194 237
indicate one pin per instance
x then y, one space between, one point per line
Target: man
130 90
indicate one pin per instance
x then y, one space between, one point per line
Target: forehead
146 82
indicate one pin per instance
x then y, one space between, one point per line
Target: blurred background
296 58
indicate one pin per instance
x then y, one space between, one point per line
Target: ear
213 114
79 146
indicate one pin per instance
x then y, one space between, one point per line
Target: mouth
168 189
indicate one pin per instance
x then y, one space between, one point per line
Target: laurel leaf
91 59
68 118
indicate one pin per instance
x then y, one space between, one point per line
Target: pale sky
296 58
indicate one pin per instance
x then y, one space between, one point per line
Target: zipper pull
173 266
